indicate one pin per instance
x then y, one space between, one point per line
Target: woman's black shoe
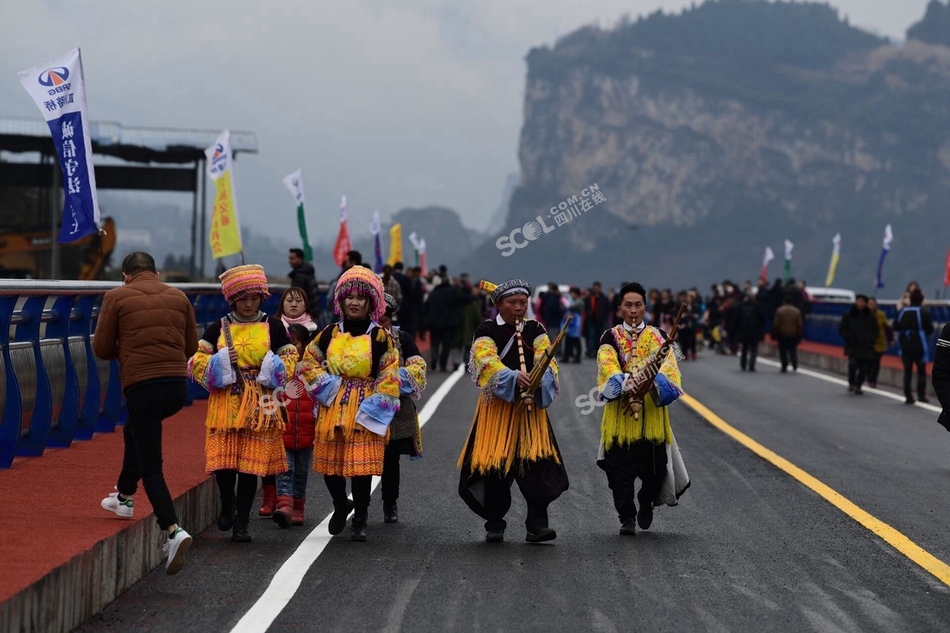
338 518
225 521
390 513
239 532
539 535
358 530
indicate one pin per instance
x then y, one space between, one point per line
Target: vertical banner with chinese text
294 182
57 88
225 236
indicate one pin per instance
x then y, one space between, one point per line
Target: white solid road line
844 383
288 578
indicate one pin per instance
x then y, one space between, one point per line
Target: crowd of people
332 388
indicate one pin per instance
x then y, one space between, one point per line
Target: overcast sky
393 102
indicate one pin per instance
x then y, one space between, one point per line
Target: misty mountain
722 130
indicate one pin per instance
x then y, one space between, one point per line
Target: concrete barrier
74 592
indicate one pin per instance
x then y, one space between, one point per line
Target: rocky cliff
727 128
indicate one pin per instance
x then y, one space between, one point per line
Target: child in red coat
298 441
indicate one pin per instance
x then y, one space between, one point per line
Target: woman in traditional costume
240 360
507 441
352 372
405 434
638 445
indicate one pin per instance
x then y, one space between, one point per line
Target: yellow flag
225 236
395 244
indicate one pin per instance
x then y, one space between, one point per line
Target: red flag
946 275
342 246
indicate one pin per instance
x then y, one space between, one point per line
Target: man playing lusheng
507 442
638 446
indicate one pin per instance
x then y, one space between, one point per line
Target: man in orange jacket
150 328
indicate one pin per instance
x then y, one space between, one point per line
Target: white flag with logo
58 89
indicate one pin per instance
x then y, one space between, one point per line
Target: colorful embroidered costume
641 447
244 422
242 435
352 372
506 442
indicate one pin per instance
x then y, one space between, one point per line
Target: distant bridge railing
53 389
821 324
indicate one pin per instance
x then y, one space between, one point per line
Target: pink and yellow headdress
365 282
241 281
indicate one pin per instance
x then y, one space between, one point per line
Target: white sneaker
175 549
122 509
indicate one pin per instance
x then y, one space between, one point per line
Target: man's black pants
149 403
749 351
857 371
440 340
909 364
788 351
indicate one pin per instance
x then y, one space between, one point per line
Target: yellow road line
900 542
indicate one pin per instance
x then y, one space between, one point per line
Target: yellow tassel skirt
503 432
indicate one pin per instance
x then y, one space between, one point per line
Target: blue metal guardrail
821 325
53 390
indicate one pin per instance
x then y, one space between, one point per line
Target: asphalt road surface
749 548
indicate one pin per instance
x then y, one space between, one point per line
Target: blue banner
79 217
880 268
378 268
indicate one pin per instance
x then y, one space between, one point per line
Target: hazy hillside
727 128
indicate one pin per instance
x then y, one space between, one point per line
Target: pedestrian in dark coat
941 375
597 308
915 327
787 329
858 328
442 316
750 330
302 275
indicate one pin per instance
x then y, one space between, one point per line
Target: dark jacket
149 327
751 322
304 276
552 310
859 331
914 327
442 308
787 322
941 375
596 309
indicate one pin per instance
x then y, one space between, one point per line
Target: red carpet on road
50 504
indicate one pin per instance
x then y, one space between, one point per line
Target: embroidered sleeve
211 369
550 386
610 375
667 384
376 412
320 384
487 370
412 377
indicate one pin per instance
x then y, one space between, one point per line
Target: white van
830 295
